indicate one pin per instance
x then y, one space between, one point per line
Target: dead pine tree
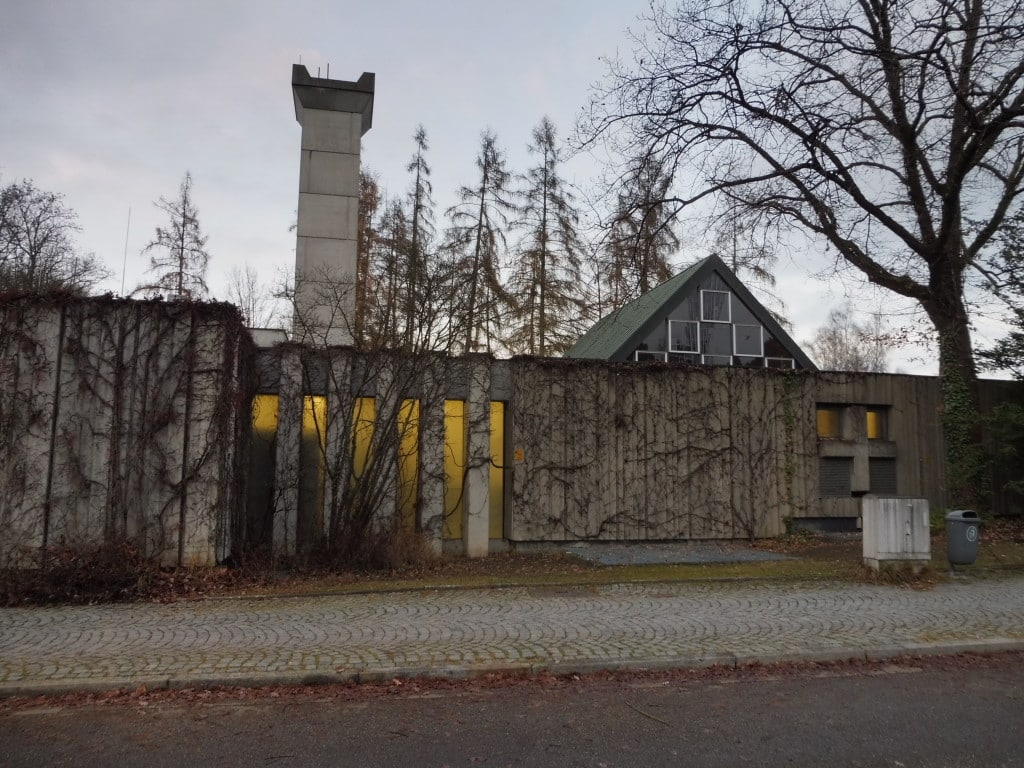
545 282
178 258
476 241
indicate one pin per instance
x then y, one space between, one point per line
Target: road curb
727 659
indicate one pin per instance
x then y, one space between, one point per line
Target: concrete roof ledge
334 95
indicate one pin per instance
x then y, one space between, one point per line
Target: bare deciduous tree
257 301
844 344
879 126
37 252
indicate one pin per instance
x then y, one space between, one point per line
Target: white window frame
760 335
790 360
748 357
728 307
649 354
673 357
696 335
704 360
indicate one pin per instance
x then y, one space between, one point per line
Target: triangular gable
615 336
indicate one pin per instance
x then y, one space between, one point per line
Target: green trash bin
962 537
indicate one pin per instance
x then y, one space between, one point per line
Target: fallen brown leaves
540 682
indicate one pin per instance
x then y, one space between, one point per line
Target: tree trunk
959 381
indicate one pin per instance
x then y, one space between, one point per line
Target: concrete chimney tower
334 115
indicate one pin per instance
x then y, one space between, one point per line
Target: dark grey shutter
882 474
835 476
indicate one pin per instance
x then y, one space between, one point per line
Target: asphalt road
931 712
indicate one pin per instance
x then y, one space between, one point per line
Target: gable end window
643 355
716 359
747 340
715 307
683 336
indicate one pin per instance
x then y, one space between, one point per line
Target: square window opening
683 336
747 340
715 307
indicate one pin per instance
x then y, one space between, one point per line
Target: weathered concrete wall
643 452
624 451
131 419
620 452
120 419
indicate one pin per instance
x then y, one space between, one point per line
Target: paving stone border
460 633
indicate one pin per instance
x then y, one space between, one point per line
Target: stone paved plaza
257 641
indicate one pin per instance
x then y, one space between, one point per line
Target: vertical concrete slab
334 115
286 469
30 337
477 491
208 433
430 509
385 438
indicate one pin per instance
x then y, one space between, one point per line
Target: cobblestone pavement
257 641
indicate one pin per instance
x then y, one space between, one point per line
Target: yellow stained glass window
260 491
829 422
408 461
497 479
455 439
312 454
364 414
454 467
876 424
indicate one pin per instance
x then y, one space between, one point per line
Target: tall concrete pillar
334 115
477 485
289 445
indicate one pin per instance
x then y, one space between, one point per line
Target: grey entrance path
462 632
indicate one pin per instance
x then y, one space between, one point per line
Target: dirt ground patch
797 557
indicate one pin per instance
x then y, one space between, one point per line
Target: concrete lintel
333 95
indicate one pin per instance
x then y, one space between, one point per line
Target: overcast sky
110 102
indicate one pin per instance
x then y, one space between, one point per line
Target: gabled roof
616 335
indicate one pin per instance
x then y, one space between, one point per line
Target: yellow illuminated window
828 422
408 461
455 427
876 424
497 471
364 413
260 496
312 454
454 466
